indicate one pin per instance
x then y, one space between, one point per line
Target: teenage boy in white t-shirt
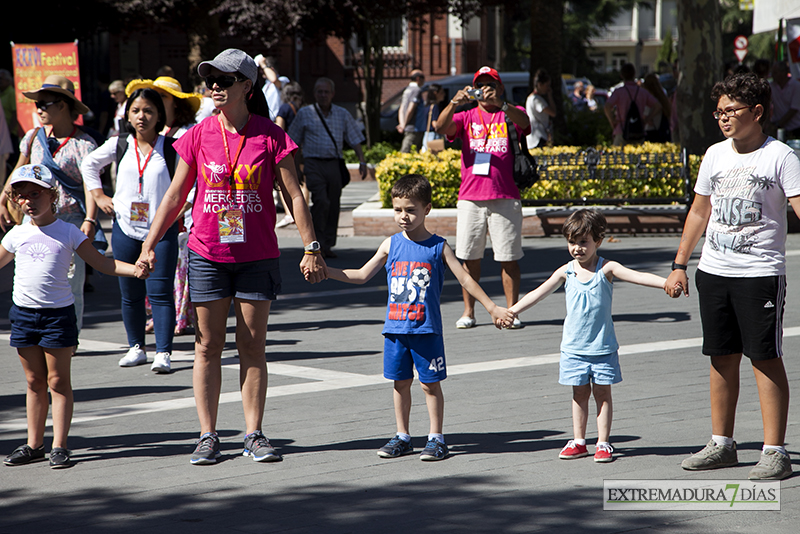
740 203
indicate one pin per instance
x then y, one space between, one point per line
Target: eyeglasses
44 105
223 82
730 112
485 84
33 195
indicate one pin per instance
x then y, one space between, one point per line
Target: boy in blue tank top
589 360
415 260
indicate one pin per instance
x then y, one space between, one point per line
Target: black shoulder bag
526 171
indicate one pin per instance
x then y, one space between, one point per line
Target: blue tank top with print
588 328
415 275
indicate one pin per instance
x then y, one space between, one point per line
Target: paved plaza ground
329 409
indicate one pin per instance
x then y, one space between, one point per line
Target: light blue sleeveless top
588 328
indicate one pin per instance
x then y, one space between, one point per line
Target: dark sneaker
59 458
24 455
395 448
772 466
258 446
207 450
712 456
434 450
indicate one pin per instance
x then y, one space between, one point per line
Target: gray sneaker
207 450
772 466
395 448
712 456
259 447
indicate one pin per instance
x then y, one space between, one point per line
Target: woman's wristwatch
679 266
313 248
504 107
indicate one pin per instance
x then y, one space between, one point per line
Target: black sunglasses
223 82
44 105
485 84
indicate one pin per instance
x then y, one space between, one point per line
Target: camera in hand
475 94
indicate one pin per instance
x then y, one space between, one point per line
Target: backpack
170 155
633 128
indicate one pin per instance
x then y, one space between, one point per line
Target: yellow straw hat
170 85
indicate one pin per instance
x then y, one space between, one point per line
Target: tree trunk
372 70
699 68
547 34
203 36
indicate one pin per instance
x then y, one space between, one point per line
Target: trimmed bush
444 172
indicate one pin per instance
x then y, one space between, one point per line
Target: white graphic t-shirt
746 234
41 263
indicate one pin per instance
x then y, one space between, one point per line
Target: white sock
404 437
778 448
722 441
601 444
437 437
579 441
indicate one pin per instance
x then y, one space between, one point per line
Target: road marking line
322 380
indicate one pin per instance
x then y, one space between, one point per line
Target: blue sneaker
207 450
258 446
434 450
395 448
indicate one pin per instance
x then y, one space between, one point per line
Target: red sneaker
573 450
603 454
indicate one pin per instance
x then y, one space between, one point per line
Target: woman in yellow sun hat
180 107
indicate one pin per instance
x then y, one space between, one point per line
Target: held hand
313 268
677 283
141 271
502 316
147 259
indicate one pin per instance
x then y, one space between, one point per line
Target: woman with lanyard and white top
235 158
143 178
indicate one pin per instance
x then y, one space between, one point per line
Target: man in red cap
488 199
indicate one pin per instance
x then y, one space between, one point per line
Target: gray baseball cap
231 60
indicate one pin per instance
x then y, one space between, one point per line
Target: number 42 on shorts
437 365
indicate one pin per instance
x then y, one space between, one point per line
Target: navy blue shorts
402 352
49 328
251 280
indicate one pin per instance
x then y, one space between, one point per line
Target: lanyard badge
230 220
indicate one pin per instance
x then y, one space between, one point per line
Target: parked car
515 83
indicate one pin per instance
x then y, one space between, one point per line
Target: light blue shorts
576 370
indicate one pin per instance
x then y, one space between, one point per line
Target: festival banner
35 62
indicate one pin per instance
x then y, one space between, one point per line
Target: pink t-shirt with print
487 135
202 148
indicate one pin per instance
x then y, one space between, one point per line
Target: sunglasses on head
44 105
485 84
223 82
33 195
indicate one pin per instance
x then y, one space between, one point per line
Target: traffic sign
740 54
740 43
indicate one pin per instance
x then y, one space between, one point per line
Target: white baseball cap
35 174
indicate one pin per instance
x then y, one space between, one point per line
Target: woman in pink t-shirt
234 158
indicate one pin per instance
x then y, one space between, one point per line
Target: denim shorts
576 370
49 328
251 280
402 352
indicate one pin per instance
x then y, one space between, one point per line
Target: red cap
489 71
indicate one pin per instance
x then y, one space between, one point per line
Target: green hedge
444 172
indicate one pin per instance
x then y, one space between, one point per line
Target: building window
598 61
618 59
396 33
